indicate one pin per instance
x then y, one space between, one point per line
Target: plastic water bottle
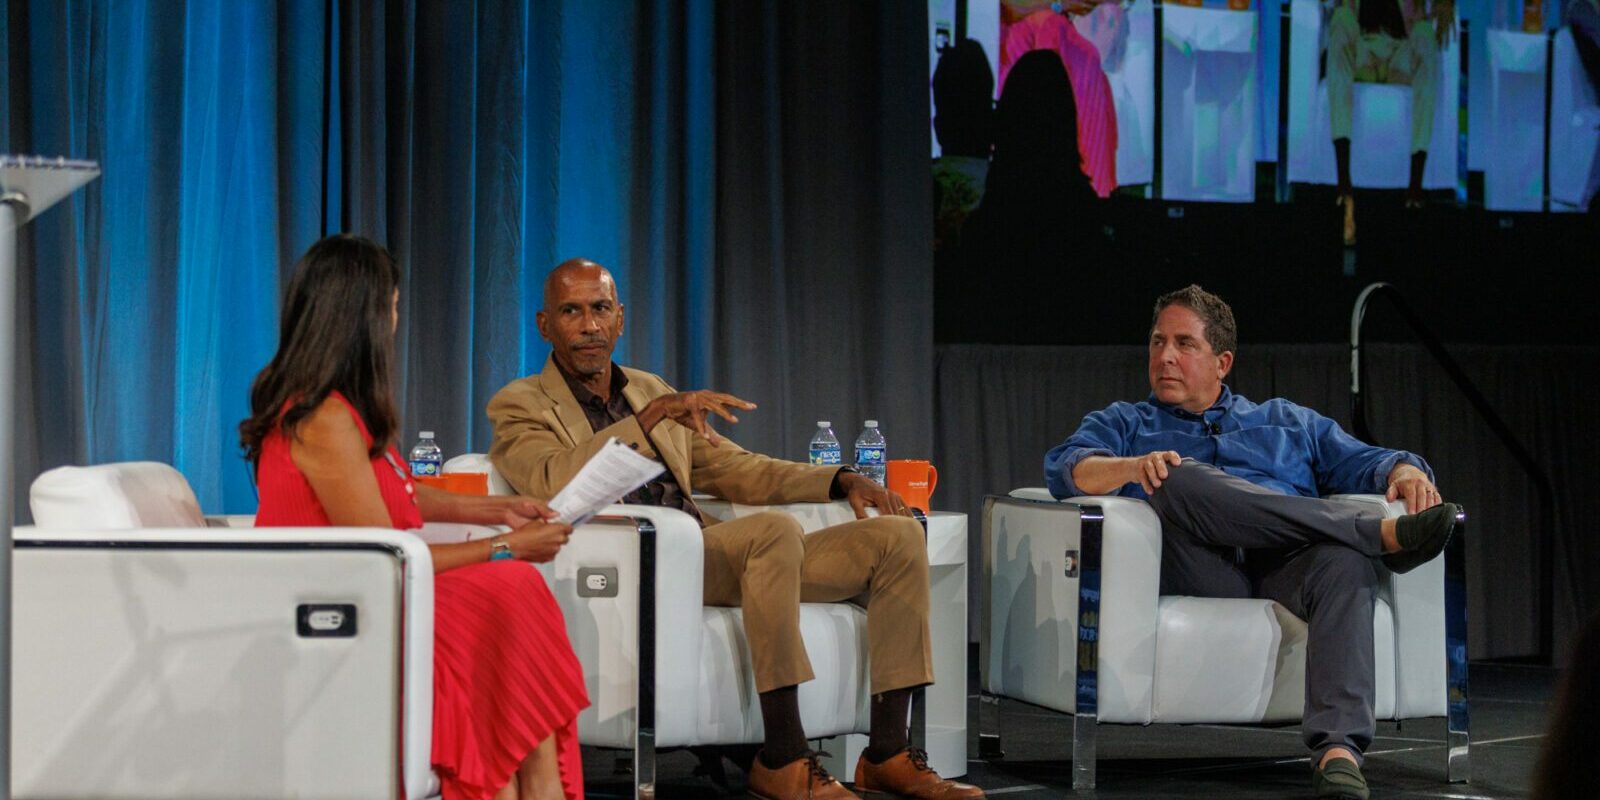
825 450
872 453
426 457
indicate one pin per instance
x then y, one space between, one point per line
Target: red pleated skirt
504 679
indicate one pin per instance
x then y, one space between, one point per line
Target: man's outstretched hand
690 410
862 491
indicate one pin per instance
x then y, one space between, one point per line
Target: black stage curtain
824 293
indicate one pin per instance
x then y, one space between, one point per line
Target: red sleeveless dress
504 674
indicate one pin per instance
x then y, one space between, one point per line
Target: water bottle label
422 468
869 455
828 457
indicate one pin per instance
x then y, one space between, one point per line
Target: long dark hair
335 334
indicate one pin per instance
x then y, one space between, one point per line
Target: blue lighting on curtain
482 143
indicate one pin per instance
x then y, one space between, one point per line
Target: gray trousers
1226 537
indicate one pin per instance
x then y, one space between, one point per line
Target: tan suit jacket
542 438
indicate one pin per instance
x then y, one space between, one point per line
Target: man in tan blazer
547 425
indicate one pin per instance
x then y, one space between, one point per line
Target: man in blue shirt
1237 486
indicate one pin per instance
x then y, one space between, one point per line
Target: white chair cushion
136 494
1244 661
835 702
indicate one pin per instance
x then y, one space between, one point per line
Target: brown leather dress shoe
907 774
801 779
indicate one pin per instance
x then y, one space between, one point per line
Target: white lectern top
34 183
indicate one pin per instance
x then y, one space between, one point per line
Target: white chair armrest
1417 601
202 620
134 494
1025 542
605 630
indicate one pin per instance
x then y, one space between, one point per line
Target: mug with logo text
913 480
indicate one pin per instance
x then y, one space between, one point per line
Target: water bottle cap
822 423
872 423
427 434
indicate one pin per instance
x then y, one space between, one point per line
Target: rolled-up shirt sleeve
1347 465
1102 433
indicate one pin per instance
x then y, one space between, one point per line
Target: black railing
1545 531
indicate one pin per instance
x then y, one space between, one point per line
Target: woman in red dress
507 686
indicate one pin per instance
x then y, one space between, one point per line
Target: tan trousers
1357 57
764 564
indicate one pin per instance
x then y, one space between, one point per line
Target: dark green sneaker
1422 536
1341 778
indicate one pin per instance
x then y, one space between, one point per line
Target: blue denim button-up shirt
1277 444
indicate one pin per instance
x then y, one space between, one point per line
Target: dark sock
1341 160
780 715
889 735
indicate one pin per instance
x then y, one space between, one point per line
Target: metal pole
11 215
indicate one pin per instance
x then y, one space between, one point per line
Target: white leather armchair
1075 623
155 656
1381 135
662 668
182 626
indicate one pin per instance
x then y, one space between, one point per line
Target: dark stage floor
1510 705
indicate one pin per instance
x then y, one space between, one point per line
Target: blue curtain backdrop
482 142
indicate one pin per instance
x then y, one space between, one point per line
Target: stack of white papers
607 478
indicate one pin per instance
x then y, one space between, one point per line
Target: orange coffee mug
913 480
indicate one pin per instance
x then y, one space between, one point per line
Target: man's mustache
588 340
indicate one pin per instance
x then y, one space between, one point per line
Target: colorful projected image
1357 94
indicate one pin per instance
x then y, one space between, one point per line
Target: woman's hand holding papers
538 541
